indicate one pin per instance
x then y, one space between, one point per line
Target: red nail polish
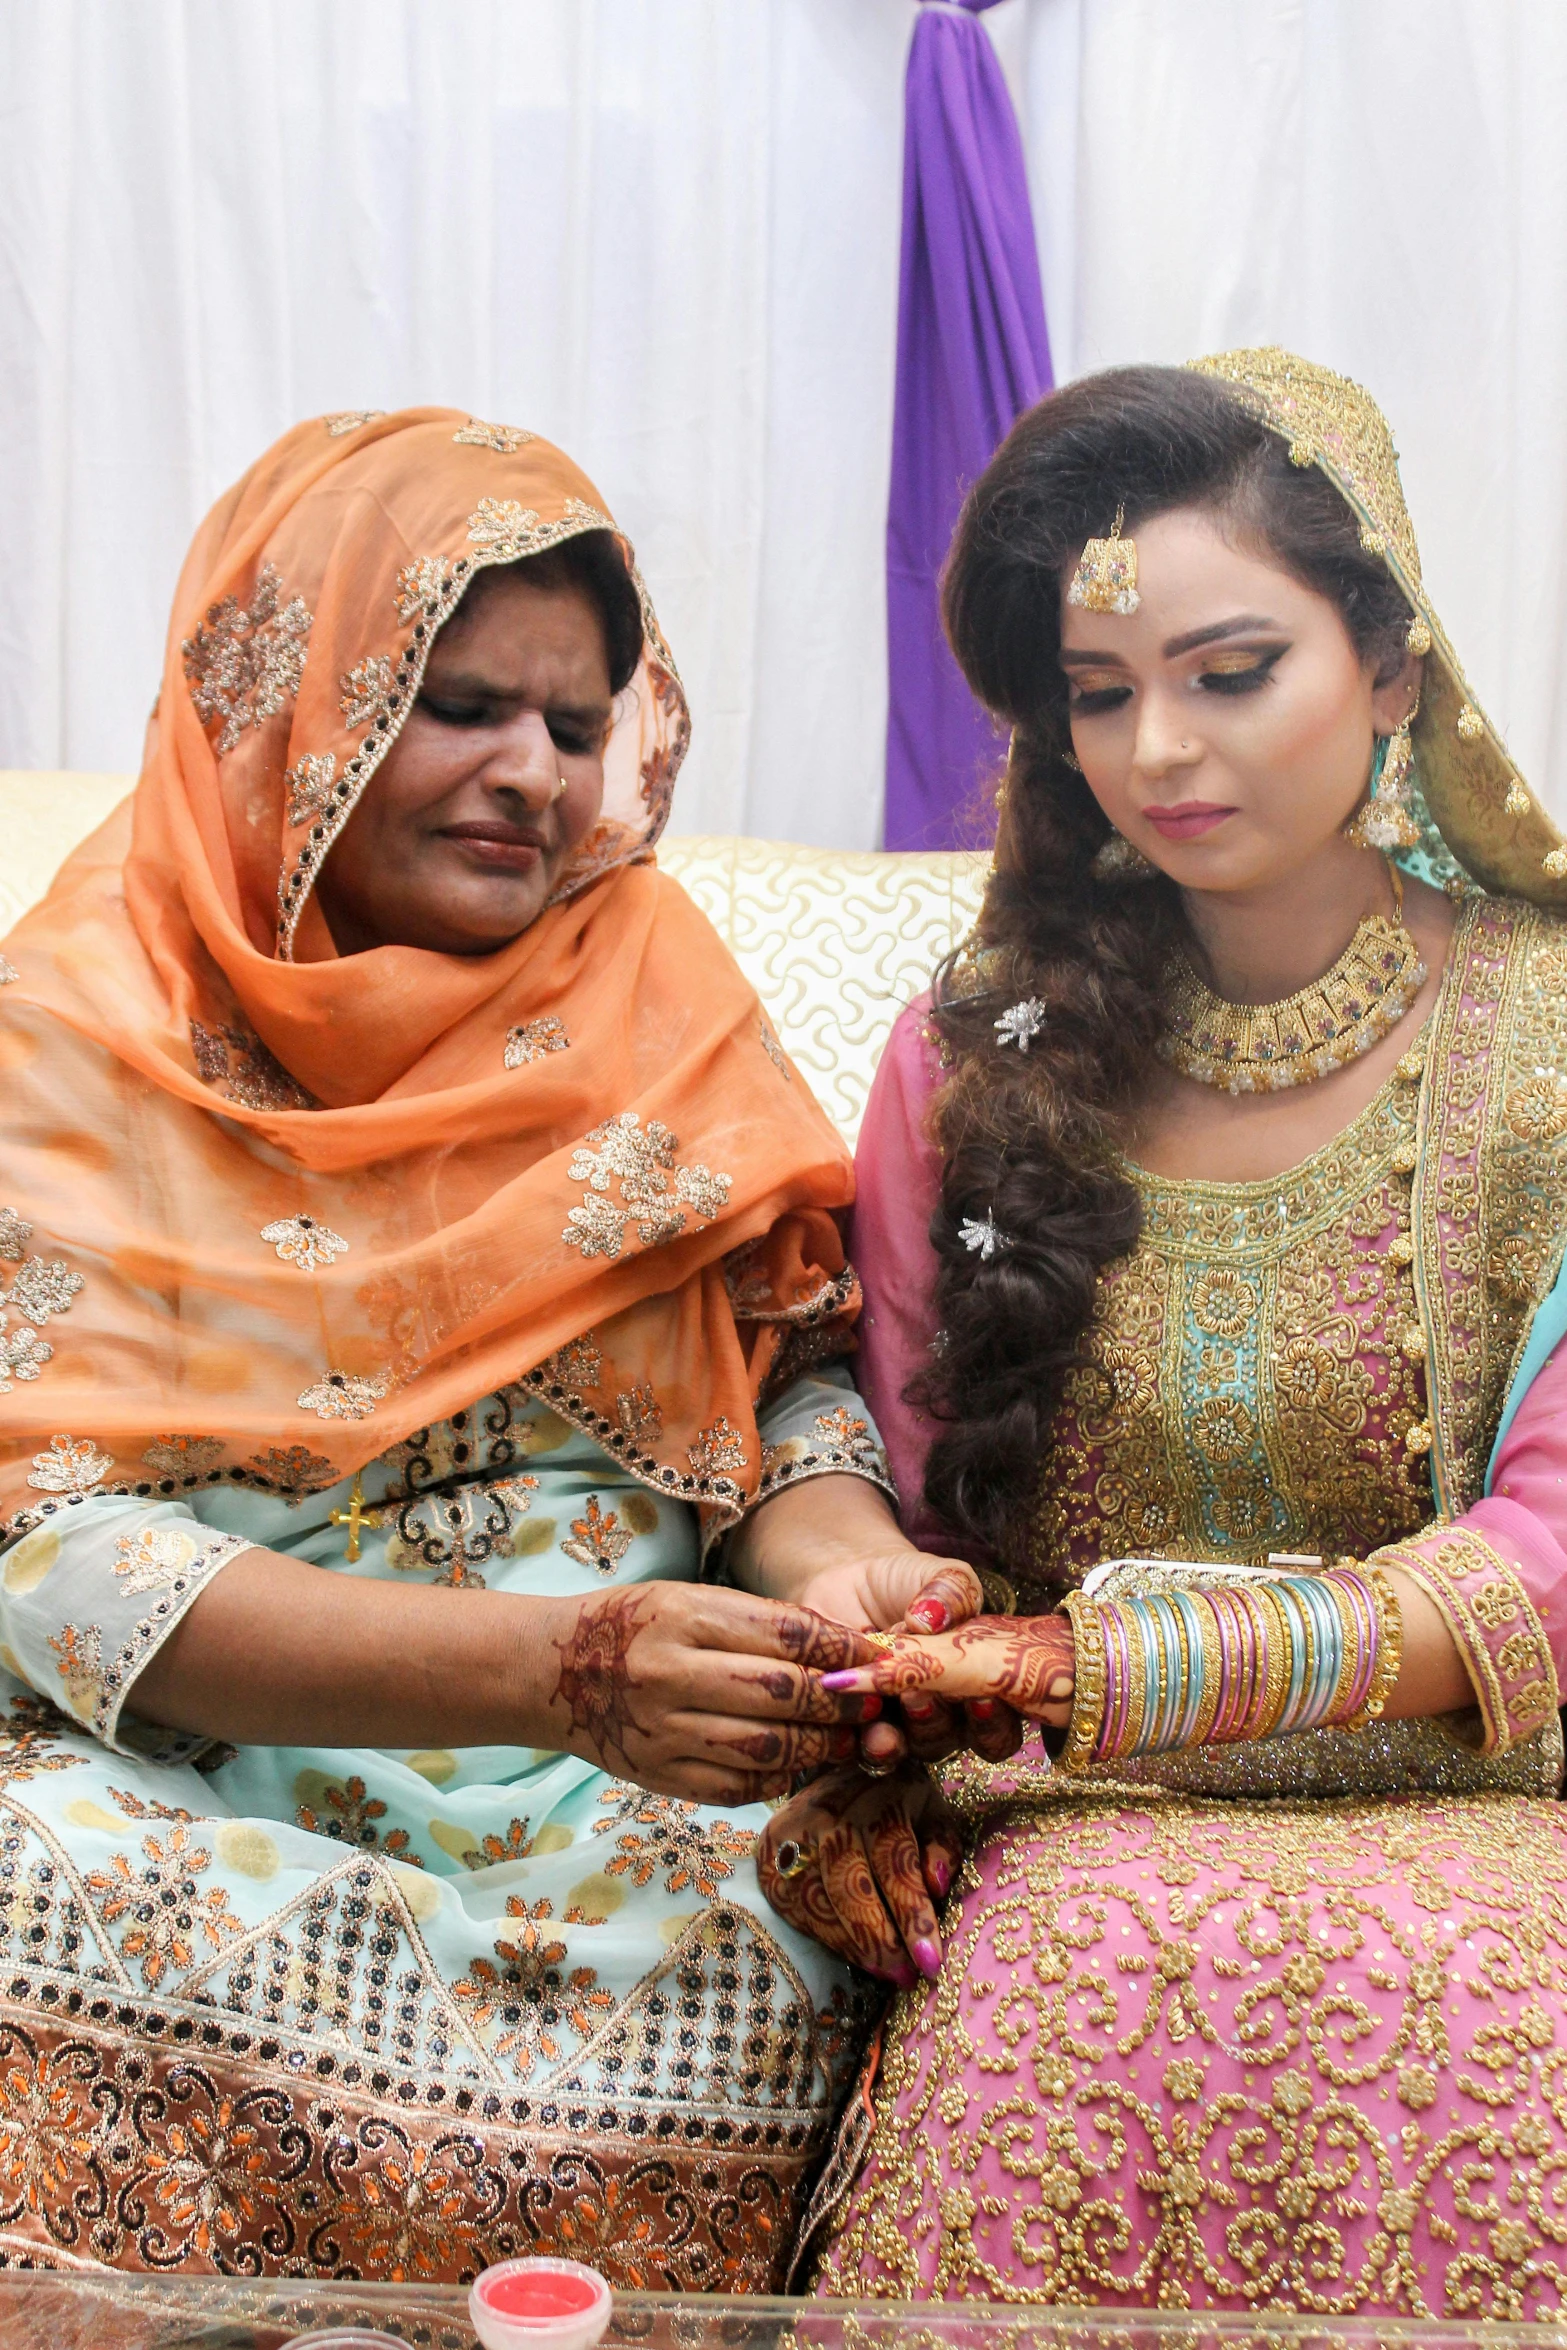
982 1708
939 1870
931 1613
918 1709
871 1707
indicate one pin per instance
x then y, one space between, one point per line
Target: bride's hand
855 1862
906 1590
1025 1662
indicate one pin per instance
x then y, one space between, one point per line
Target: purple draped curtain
972 353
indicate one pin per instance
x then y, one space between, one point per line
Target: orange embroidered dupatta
266 1209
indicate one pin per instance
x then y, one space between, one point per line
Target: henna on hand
1027 1662
595 1679
875 1852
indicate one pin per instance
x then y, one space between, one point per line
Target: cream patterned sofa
835 944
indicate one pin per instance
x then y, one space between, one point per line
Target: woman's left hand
855 1862
912 1591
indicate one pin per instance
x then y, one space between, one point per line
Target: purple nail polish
927 1955
838 1683
939 1870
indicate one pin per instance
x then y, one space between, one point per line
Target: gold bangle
1212 1662
1349 1623
1390 1648
1275 1644
1088 1683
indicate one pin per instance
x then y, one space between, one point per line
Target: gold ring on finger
792 1859
881 1639
876 1770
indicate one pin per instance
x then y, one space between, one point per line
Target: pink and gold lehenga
1279 2025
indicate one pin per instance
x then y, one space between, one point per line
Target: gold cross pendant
355 1516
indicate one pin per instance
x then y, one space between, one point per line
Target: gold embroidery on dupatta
309 786
69 1466
245 663
301 1241
504 439
641 1159
339 1397
240 1066
533 1039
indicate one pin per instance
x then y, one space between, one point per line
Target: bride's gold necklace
1262 1048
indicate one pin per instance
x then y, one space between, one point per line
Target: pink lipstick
1187 820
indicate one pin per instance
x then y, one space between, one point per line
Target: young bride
1210 1212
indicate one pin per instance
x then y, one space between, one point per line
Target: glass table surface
54 2310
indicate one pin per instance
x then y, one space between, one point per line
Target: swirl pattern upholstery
835 943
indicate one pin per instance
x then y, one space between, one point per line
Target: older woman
419 1253
1230 1163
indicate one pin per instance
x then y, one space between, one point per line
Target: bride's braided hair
1030 1139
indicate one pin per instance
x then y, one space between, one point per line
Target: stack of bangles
1236 1661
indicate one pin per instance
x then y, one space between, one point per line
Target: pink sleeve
1499 1572
897 1182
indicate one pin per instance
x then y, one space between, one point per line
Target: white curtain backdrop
665 233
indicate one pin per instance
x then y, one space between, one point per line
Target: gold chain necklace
1262 1048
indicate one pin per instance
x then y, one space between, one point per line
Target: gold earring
1117 860
1106 576
1387 822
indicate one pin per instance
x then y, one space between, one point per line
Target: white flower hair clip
1022 1023
982 1236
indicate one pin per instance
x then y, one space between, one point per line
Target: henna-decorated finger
896 1863
851 1887
802 1898
780 1750
1027 1661
953 1594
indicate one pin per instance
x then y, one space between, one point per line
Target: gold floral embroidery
507 531
523 2005
241 1067
78 1650
294 1469
421 584
665 1832
640 1159
504 439
15 1233
69 1466
244 663
1023 2150
1223 1304
339 1397
43 1287
153 1558
363 692
1537 1109
639 1415
597 1539
23 1355
350 419
309 786
533 1039
301 1241
719 1450
169 1910
347 1813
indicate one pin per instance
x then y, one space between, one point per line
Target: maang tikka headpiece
1106 576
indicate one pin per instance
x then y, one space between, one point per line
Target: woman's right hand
696 1691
